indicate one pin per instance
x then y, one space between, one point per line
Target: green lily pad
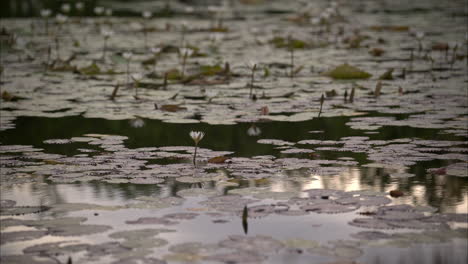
346 71
92 69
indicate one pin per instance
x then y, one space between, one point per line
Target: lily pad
346 71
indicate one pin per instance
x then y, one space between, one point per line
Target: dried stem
114 92
322 99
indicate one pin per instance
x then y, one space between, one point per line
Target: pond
340 139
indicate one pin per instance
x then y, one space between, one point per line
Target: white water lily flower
251 64
127 55
254 131
137 123
420 35
107 33
98 10
325 16
216 37
315 20
137 76
155 50
65 8
186 51
147 14
211 93
109 12
46 13
61 18
79 6
197 136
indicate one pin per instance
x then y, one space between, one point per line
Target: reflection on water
449 194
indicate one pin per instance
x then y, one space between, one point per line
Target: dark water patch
35 130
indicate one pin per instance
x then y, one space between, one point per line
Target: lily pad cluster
312 62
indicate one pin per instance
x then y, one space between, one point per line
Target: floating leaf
256 243
329 208
371 223
151 221
387 75
390 28
396 193
346 71
8 237
220 159
371 235
77 230
21 210
92 69
172 108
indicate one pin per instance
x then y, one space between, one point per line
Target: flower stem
57 47
184 60
47 26
292 63
252 80
136 89
146 36
195 156
128 71
104 49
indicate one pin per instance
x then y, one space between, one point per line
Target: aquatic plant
351 96
245 216
65 8
108 12
254 131
136 77
137 122
79 6
146 16
183 32
322 99
60 19
419 37
197 136
127 56
156 52
106 33
185 52
291 52
45 14
98 10
252 66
